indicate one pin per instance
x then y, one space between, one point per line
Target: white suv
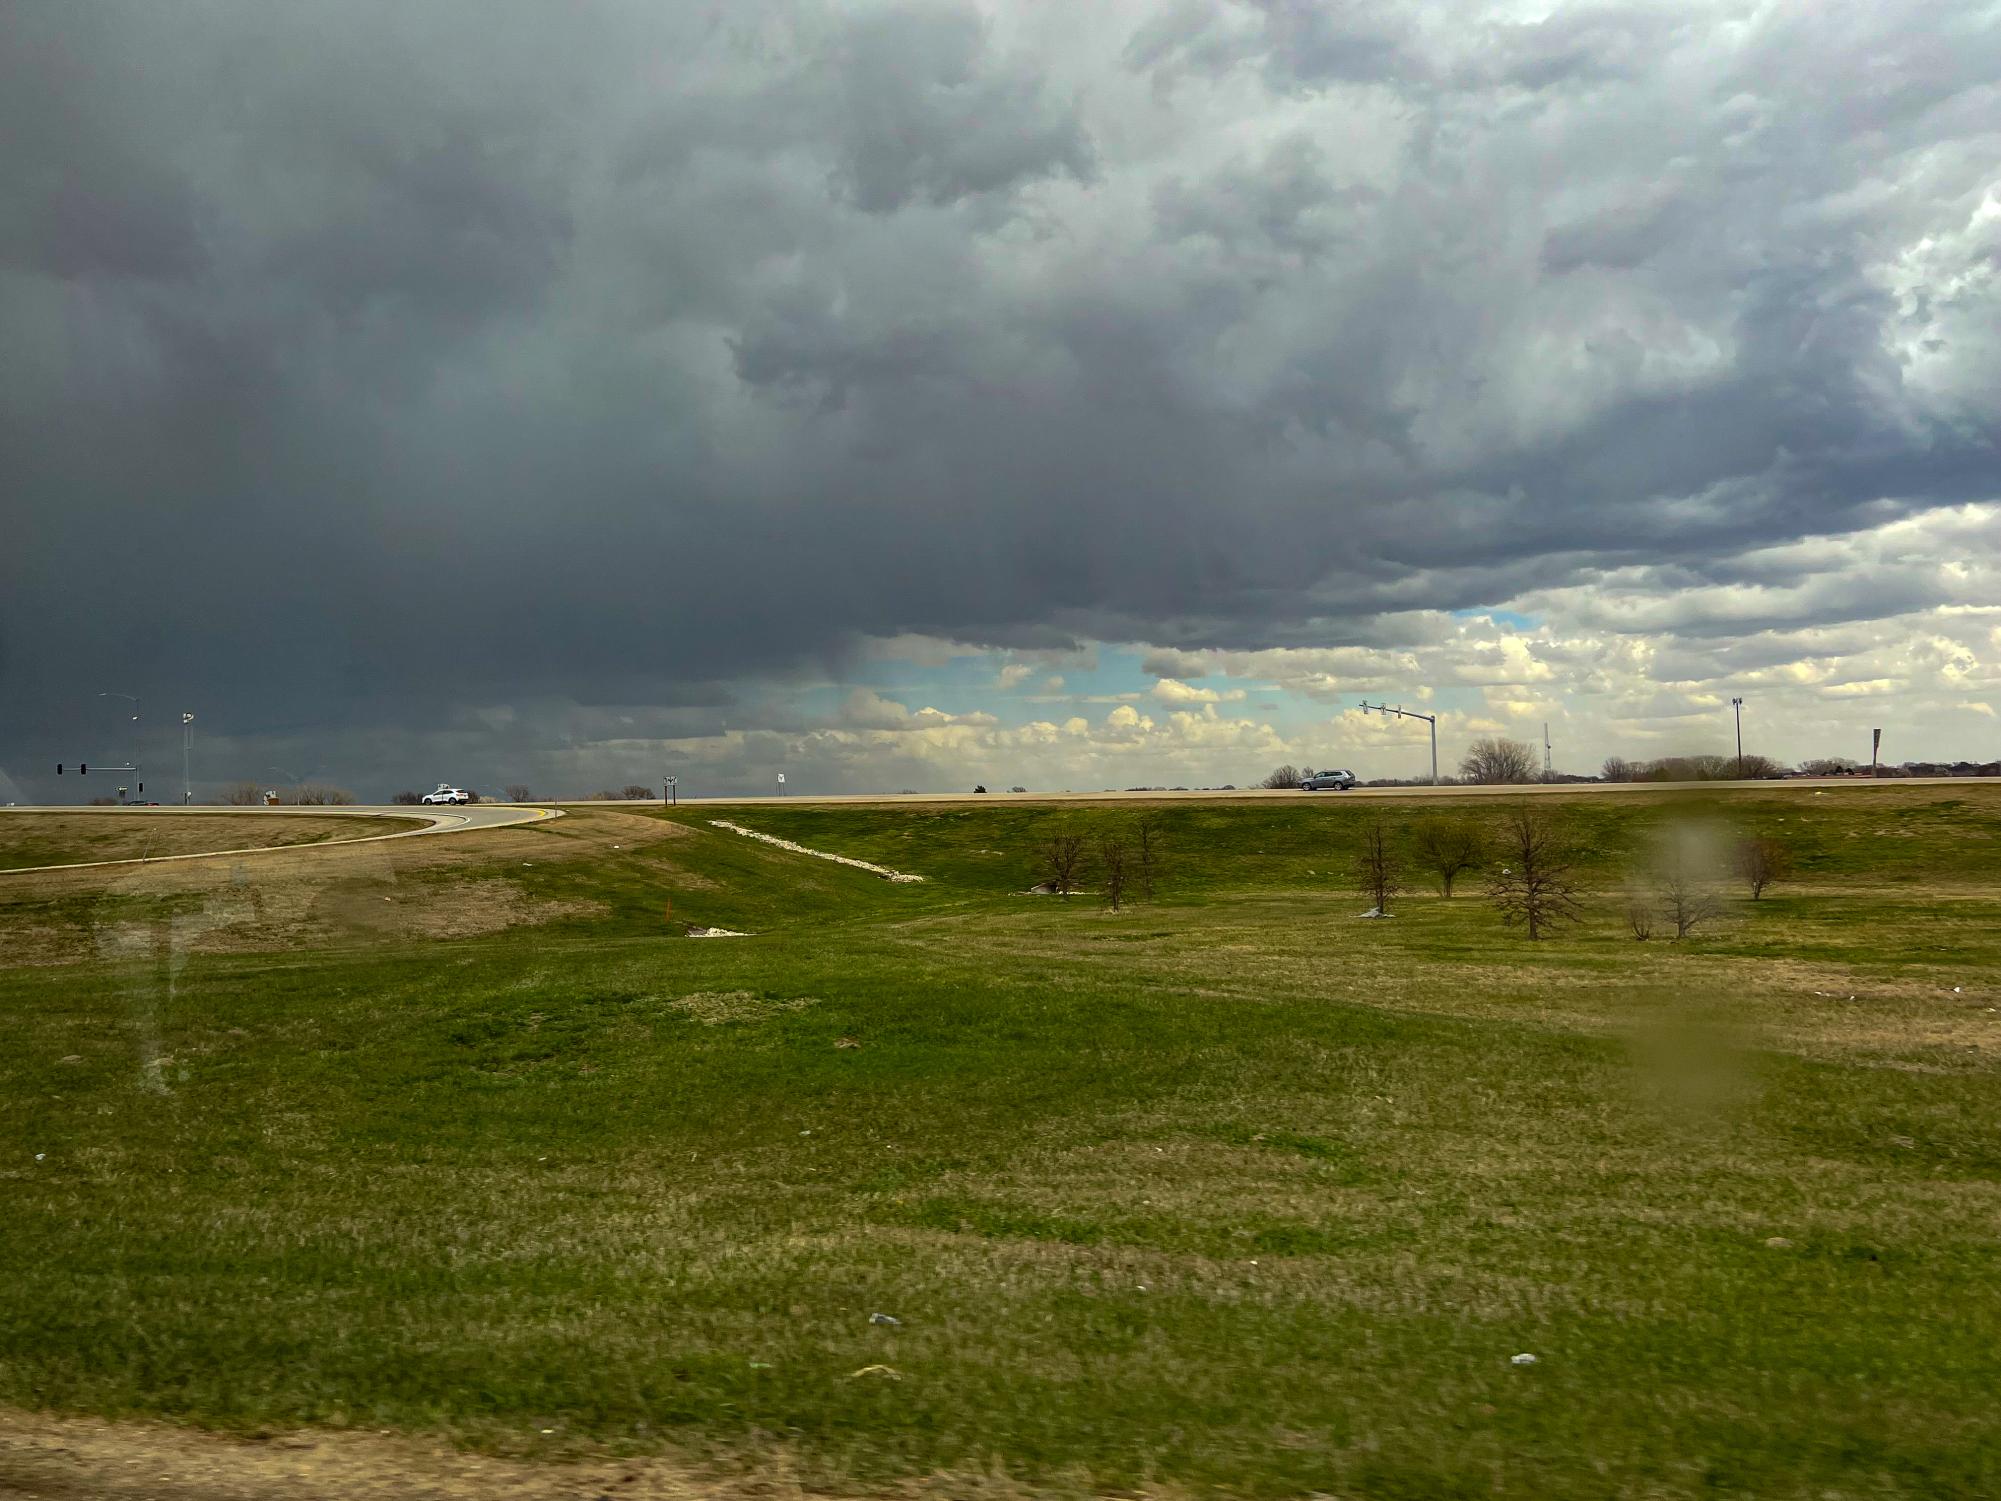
447 794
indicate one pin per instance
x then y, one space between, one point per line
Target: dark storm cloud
370 367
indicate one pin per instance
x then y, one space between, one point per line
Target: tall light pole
187 753
1738 705
1403 713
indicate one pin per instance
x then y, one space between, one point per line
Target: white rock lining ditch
799 849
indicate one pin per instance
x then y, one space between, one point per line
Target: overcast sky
1073 395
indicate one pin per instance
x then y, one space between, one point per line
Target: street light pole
133 699
1738 705
1402 712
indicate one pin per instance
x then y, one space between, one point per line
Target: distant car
1328 781
446 794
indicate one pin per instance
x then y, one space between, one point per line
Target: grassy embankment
35 839
1228 1191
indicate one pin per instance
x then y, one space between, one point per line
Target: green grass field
1227 1193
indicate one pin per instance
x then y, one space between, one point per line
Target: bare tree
1829 766
1283 776
637 794
1149 846
1061 856
406 797
1684 889
320 795
1617 769
1640 916
1450 847
1116 868
1378 871
604 796
1761 861
243 794
517 792
1536 887
1753 767
1492 759
472 796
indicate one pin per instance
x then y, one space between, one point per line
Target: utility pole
1546 771
1738 705
1401 712
187 752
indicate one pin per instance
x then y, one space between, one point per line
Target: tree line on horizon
1494 760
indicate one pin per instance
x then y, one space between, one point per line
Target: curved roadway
435 821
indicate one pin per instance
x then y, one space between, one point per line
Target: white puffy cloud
1174 691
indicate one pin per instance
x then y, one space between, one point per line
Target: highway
1260 794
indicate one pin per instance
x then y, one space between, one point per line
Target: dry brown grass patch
712 1008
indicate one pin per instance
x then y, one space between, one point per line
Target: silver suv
1328 781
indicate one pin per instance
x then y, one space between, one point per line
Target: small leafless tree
1283 776
1761 861
635 793
1115 865
320 795
1061 857
471 795
1492 759
1616 769
1640 916
1536 885
406 797
1684 887
606 795
517 792
1450 847
1149 846
243 794
1378 871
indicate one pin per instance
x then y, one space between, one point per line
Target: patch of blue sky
1514 618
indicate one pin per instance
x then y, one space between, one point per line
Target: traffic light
82 770
142 789
59 768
